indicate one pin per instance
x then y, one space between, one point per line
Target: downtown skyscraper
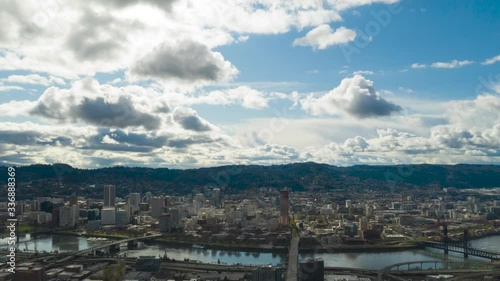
109 195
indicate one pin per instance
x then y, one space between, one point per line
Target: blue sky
186 83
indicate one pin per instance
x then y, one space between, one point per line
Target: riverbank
362 248
260 248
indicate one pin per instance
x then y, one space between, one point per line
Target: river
358 260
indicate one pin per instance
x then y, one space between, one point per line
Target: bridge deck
115 243
458 247
293 260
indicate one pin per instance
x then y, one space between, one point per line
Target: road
293 260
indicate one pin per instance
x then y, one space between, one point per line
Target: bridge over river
111 245
463 248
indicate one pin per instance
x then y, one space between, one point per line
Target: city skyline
188 84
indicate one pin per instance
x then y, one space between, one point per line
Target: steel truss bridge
463 248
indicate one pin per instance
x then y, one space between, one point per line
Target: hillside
61 179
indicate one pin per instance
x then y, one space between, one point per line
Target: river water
357 260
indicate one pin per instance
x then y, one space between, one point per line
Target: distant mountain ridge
297 176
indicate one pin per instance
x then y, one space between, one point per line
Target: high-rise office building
157 206
175 216
35 205
166 223
312 270
284 216
199 201
68 216
109 195
216 197
134 199
90 203
267 274
108 216
93 215
121 217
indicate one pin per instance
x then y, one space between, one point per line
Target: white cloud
355 96
452 64
81 38
363 72
186 62
418 65
242 38
323 36
4 88
15 108
244 96
492 60
348 4
173 44
34 79
482 112
189 120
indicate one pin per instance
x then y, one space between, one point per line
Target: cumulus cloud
446 144
323 36
482 112
189 120
355 96
81 38
92 103
98 37
188 61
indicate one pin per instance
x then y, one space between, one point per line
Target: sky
198 83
